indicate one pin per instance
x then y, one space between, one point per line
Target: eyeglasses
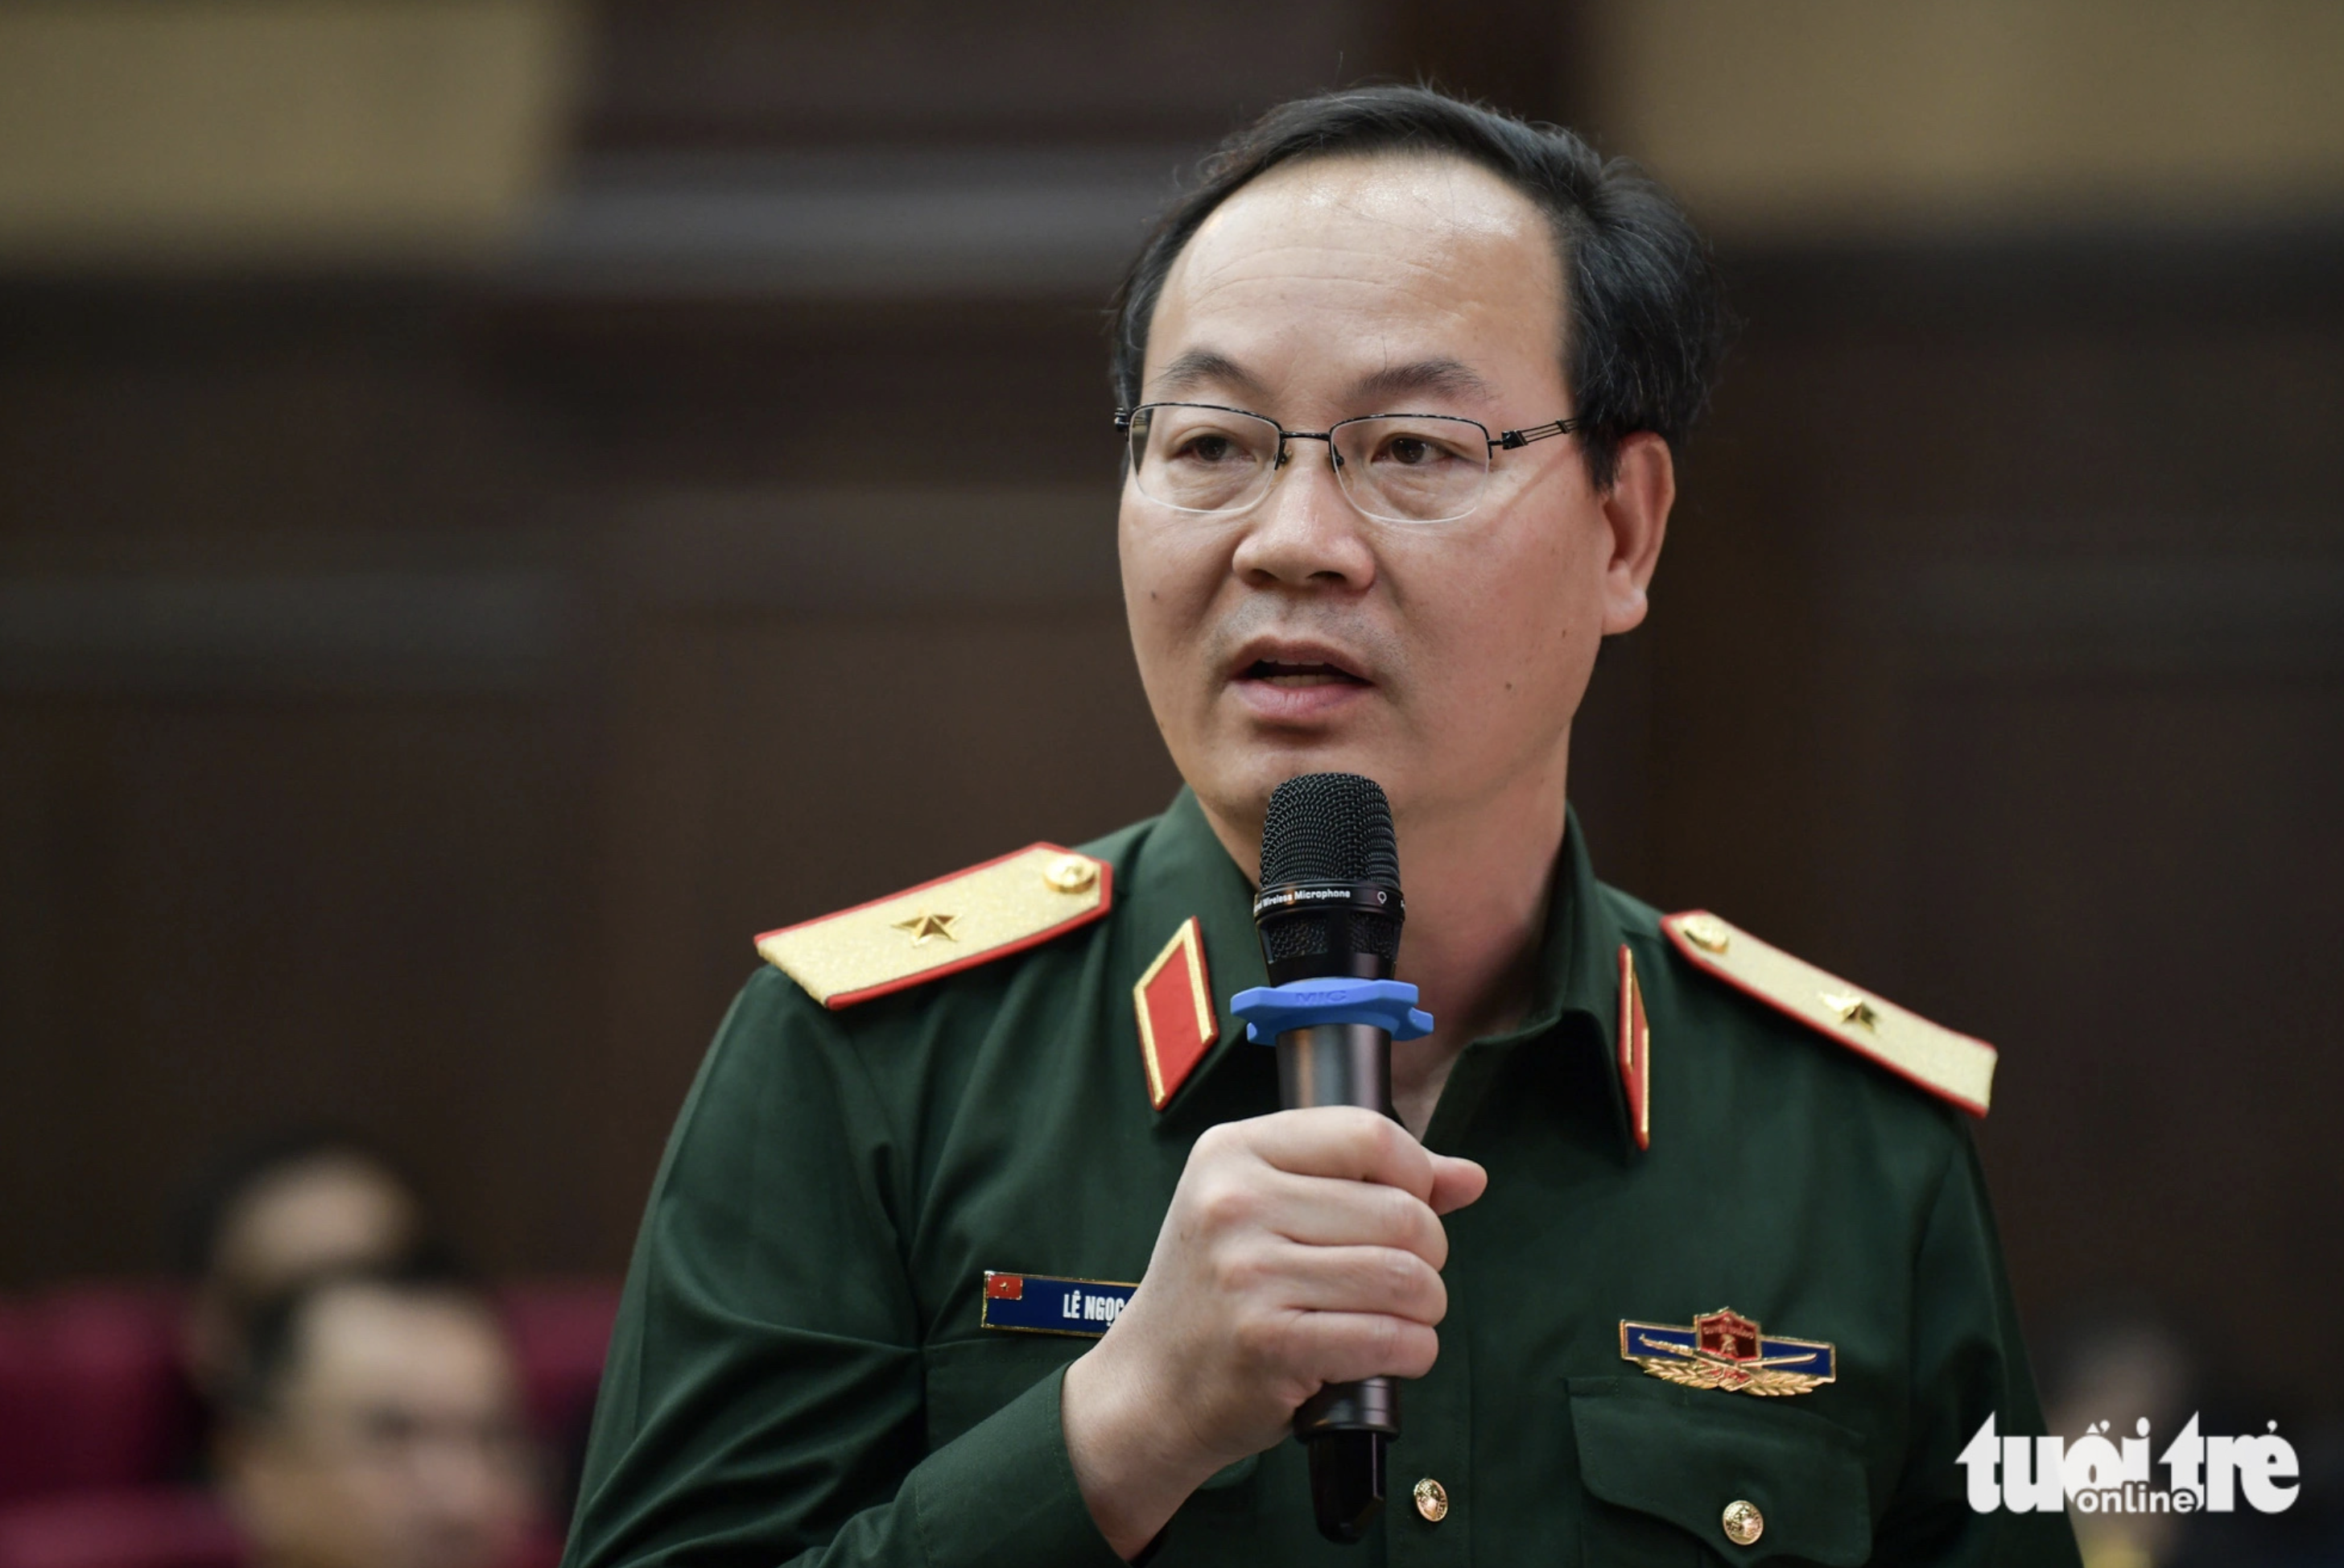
384 1435
1395 468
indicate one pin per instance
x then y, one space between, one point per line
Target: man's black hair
1645 321
203 1219
275 1336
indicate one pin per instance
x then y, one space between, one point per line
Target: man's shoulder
1725 971
982 918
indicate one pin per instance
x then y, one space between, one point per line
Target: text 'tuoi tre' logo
2046 1476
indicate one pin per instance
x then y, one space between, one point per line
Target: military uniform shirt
799 1374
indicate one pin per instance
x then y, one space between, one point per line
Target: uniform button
1070 874
1743 1522
1431 1501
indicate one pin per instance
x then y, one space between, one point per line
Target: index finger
1342 1142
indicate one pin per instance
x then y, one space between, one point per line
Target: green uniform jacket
799 1373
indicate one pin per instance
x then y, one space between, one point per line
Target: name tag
1040 1304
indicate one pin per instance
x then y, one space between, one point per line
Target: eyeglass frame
1504 440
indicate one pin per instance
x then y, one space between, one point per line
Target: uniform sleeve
1969 1363
764 1401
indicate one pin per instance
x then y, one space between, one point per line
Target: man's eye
383 1427
1207 448
1414 451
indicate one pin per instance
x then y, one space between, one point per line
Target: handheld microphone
1329 915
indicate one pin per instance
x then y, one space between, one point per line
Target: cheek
334 1510
382 1499
1168 580
1560 604
1517 637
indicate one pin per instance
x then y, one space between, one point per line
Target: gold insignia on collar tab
941 928
1952 1066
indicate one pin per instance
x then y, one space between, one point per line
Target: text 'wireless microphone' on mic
1329 915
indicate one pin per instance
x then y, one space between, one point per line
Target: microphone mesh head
1329 827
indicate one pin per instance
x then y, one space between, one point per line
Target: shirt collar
1579 952
1182 870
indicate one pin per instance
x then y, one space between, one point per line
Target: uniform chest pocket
1664 1466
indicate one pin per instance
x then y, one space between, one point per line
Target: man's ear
1636 508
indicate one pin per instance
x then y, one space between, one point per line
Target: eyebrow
1452 377
1204 366
1208 367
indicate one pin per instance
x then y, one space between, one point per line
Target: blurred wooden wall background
422 669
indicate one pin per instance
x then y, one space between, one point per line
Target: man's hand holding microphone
1301 1249
1297 1269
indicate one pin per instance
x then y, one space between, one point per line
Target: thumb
1456 1183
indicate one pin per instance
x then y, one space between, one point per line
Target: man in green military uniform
981 1238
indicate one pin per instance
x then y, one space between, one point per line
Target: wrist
1129 1449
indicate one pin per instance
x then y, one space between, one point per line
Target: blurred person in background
2119 1358
2121 1364
295 1206
379 1424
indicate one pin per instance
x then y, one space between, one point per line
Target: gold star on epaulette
1850 1008
924 925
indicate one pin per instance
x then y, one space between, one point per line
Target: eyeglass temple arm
1509 439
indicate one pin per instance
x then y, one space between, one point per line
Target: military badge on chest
1723 1349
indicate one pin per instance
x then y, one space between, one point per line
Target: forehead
330 1209
1358 262
362 1344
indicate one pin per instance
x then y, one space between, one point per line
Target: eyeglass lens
1402 468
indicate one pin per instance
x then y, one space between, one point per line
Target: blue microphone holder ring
1270 1011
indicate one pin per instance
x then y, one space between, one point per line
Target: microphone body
1330 915
1347 1426
1341 1064
1335 1064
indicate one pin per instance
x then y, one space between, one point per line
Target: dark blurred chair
90 1391
150 1527
130 1527
560 1332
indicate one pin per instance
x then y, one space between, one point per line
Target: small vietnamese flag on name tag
1045 1304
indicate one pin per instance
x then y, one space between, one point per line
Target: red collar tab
1178 1024
1635 1051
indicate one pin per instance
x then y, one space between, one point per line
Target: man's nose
1304 531
466 1476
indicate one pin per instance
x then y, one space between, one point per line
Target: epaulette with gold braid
1950 1065
944 927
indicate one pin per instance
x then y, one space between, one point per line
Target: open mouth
1296 675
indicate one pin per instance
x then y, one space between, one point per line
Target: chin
1243 770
